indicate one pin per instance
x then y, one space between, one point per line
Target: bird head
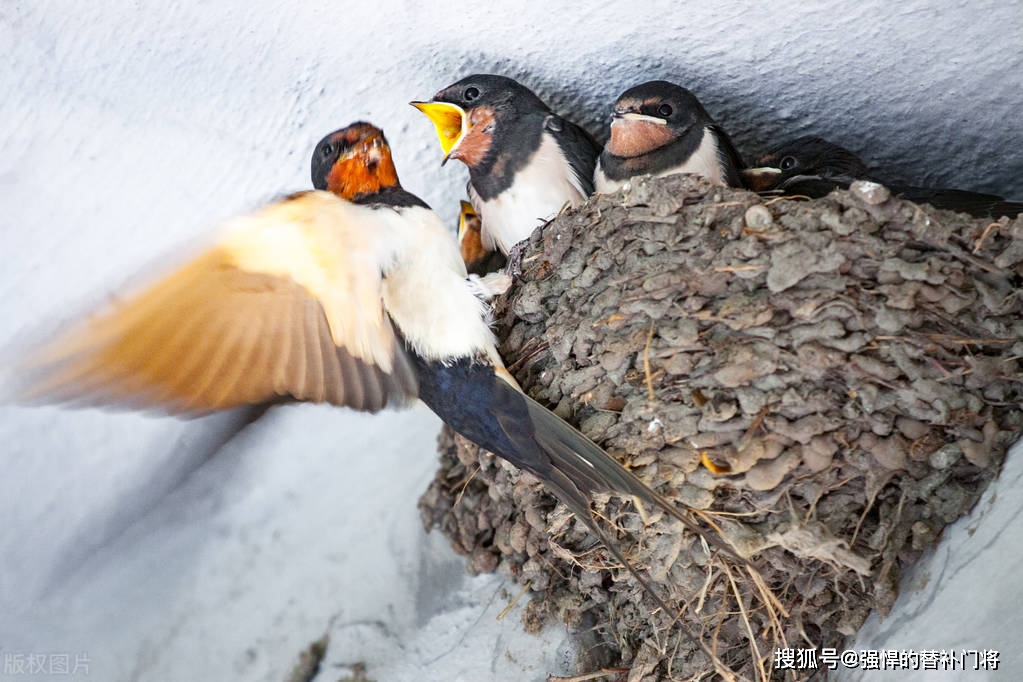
652 115
354 161
807 156
466 114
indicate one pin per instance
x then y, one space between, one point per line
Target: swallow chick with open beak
525 162
354 294
813 167
478 259
659 128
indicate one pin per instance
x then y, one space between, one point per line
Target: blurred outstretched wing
286 304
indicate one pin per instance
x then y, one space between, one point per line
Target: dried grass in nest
834 380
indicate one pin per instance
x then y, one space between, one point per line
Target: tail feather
976 204
579 468
1006 208
578 503
590 469
493 412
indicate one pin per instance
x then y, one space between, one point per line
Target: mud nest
833 381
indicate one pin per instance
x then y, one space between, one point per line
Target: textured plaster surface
171 549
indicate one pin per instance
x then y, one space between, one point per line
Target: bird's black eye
664 111
471 93
327 150
787 163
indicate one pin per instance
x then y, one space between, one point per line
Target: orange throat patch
473 147
635 138
366 172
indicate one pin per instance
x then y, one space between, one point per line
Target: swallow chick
478 259
810 166
356 295
813 167
659 128
525 162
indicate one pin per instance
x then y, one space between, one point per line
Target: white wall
130 128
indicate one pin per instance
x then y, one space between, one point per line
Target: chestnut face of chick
354 161
651 116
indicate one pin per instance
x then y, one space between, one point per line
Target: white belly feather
426 292
539 191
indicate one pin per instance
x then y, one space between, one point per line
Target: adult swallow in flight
659 128
355 296
478 260
811 166
525 162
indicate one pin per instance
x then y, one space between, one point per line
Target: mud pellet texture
830 382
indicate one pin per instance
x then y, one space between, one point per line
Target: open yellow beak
760 179
464 216
450 120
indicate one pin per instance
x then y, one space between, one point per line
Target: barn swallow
525 162
353 294
477 259
659 128
811 166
